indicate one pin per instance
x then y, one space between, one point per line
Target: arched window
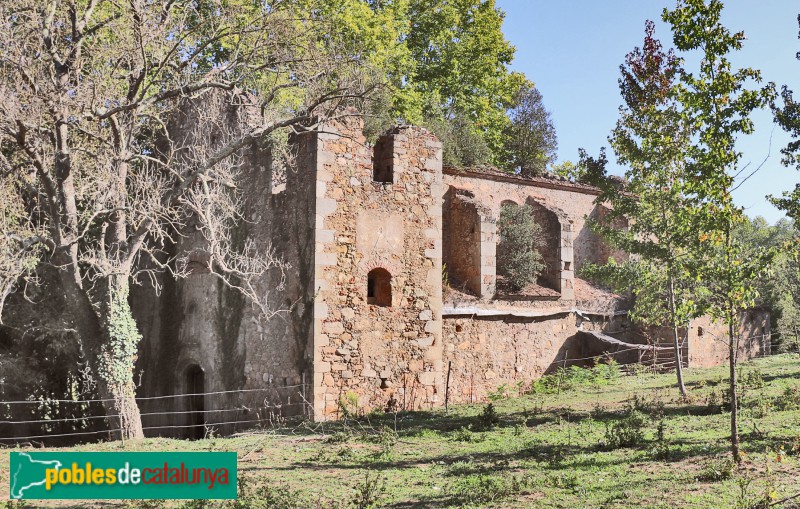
196 386
379 287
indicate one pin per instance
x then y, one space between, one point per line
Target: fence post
447 387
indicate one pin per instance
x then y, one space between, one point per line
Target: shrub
387 438
751 379
267 496
488 418
518 256
465 435
628 431
716 470
370 492
482 488
789 399
661 449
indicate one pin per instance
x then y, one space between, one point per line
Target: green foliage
120 349
488 419
575 377
465 435
268 496
485 488
348 405
459 62
463 143
530 137
716 470
789 399
370 492
518 256
661 450
446 64
627 431
651 216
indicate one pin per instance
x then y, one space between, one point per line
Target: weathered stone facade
368 317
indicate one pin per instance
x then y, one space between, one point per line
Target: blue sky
572 51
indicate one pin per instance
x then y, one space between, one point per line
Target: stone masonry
391 297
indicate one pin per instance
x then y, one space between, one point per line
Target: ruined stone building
372 320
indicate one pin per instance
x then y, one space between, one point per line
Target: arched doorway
196 402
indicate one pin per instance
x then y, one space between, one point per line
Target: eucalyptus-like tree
92 182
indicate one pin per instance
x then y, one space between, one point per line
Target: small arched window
379 287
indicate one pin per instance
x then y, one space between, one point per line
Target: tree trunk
732 352
675 335
117 358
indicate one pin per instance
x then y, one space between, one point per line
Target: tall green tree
650 140
461 59
716 104
529 138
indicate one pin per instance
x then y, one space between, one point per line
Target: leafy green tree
716 105
460 58
443 62
650 139
530 137
518 253
463 144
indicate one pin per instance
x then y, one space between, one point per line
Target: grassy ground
604 440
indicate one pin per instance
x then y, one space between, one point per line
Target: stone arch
198 261
468 237
551 221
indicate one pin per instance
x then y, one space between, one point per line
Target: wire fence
213 418
264 407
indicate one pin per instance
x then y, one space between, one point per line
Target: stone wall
708 345
485 352
371 356
199 323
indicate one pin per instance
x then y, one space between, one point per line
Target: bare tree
91 181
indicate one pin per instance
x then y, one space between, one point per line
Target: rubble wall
369 356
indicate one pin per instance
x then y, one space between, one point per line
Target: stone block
325 259
333 327
425 342
326 206
325 236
